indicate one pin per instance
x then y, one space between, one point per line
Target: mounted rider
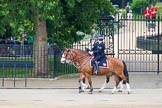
98 52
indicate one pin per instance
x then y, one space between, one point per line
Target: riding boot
93 68
96 64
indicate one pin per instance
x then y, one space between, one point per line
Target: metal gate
139 43
106 25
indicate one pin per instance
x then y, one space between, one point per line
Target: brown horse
81 60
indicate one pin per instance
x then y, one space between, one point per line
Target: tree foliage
64 17
138 6
76 15
55 20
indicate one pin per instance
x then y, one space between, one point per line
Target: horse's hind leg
126 81
128 88
120 85
104 85
127 85
116 85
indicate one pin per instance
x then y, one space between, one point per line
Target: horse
81 60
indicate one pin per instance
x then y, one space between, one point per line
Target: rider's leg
93 64
96 64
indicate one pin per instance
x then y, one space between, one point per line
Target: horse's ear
65 48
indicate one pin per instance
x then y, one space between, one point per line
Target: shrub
138 6
159 8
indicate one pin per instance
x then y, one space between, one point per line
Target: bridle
71 55
72 60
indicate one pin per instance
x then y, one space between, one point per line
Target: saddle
103 63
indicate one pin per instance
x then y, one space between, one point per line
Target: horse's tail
125 73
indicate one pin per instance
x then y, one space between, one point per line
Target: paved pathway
70 98
63 93
138 80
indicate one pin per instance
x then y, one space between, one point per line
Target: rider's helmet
95 38
100 38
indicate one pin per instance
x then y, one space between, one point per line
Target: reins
82 65
77 60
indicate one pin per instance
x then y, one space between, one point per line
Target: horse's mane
81 51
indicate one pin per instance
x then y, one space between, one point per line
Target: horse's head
68 56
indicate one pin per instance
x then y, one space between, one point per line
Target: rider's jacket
100 50
153 11
94 48
147 13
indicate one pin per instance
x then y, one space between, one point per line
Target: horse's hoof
112 92
80 91
87 87
100 91
129 92
120 90
90 92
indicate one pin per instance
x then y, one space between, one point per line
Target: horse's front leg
104 85
80 87
116 85
82 84
90 84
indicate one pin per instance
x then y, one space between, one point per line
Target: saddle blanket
103 63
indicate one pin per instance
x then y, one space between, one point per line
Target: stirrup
96 72
97 68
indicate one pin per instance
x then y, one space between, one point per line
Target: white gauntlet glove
90 52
